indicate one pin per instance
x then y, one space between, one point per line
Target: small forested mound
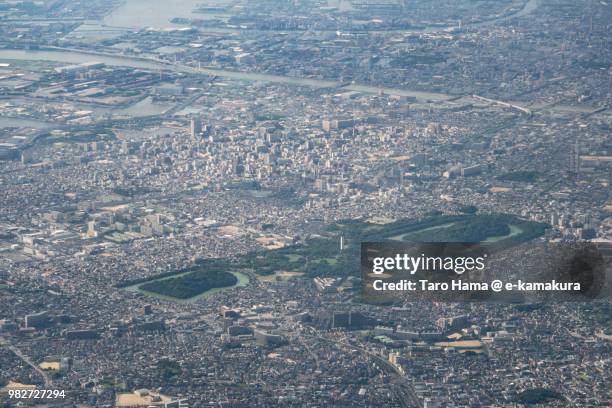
191 284
474 229
538 396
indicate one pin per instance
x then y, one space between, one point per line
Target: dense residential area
186 187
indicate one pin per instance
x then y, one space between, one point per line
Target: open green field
279 276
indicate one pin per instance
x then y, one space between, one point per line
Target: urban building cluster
130 154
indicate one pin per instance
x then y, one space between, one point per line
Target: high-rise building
26 157
37 320
196 127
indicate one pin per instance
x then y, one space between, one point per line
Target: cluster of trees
168 368
321 256
538 396
408 225
473 229
191 284
268 262
200 263
316 257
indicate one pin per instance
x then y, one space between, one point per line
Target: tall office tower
574 160
26 157
196 127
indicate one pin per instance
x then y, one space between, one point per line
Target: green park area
189 284
279 276
321 255
539 396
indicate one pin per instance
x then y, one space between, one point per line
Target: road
25 359
406 396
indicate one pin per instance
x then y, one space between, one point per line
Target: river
6 122
75 57
157 13
138 14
